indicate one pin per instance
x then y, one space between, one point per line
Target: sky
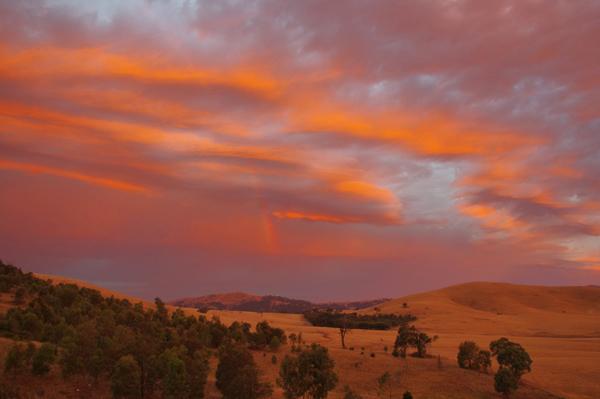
326 150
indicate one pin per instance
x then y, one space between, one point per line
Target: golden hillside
500 308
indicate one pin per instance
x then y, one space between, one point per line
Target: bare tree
344 329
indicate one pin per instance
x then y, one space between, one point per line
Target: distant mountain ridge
242 301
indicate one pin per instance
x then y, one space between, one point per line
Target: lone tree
471 357
238 376
309 375
409 336
125 380
514 361
344 329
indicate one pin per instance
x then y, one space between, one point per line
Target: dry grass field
560 327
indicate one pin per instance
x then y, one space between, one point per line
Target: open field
568 367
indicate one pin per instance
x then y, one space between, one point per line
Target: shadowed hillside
267 303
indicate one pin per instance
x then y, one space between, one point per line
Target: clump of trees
141 350
471 357
22 358
310 374
514 361
512 358
410 337
337 319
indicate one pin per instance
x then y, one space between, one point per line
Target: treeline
140 350
379 321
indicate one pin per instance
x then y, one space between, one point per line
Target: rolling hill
501 308
559 326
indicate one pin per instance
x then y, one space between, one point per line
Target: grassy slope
565 366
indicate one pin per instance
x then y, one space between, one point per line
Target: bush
273 359
350 394
9 391
274 344
407 395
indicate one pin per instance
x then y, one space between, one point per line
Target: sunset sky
316 149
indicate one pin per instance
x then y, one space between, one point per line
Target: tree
484 360
514 361
309 374
410 336
344 327
421 341
468 352
505 381
125 380
511 355
43 359
174 375
403 339
471 357
407 395
238 376
198 369
162 313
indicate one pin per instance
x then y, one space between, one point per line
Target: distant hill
241 301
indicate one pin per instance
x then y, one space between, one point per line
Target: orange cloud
98 181
312 217
365 190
